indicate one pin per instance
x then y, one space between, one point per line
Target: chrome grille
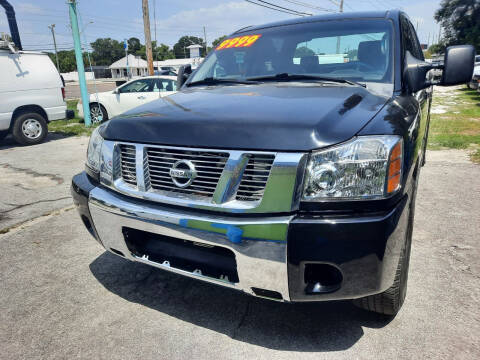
128 164
255 177
209 167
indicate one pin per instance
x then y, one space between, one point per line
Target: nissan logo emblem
183 173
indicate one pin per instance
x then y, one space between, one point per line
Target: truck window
359 50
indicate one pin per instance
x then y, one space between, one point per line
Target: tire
29 128
3 134
94 112
390 301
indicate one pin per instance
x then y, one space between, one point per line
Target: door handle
141 97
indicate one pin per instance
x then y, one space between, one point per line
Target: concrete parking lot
62 296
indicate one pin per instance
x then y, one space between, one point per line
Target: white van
32 94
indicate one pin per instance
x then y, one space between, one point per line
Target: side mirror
183 74
459 64
415 73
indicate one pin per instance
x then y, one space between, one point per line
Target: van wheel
97 110
29 129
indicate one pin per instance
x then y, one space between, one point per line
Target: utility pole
340 9
52 28
148 37
155 27
125 46
205 38
72 6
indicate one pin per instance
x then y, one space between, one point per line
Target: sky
120 19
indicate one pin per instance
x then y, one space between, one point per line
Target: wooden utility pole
148 37
340 9
52 28
205 38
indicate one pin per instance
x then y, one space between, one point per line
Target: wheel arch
26 109
107 110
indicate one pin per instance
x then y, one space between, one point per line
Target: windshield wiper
215 81
295 77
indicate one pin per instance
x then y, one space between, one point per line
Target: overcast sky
121 19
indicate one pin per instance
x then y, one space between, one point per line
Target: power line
310 6
279 9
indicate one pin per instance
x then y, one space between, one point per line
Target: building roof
194 46
133 62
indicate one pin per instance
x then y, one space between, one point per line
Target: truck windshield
355 50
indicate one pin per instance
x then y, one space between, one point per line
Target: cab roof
384 14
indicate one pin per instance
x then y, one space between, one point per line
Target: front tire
29 129
390 301
3 134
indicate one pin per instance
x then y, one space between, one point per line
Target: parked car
165 72
31 95
272 173
108 104
474 82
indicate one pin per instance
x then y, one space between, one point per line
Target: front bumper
271 252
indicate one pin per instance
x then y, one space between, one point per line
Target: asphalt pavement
72 89
62 296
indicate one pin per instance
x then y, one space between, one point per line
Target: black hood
278 117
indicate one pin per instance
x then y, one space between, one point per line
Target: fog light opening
322 278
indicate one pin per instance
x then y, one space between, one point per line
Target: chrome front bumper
259 244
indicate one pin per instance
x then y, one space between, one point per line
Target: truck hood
274 117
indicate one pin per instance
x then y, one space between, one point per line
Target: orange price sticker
241 41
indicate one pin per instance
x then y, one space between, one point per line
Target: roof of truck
386 14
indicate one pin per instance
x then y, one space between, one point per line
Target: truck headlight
367 167
95 150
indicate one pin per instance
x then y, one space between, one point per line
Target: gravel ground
62 296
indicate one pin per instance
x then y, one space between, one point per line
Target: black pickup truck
286 166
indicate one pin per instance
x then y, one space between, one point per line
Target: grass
72 127
459 127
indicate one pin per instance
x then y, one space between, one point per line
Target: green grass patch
72 127
459 127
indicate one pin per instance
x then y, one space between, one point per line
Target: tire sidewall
104 112
18 134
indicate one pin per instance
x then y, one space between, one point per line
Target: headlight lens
368 167
95 150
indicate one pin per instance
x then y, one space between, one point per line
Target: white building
176 63
137 66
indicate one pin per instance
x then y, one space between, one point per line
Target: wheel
390 301
97 110
3 134
29 129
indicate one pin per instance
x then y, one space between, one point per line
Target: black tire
21 128
390 301
3 134
94 106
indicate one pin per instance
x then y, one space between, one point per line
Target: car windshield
355 50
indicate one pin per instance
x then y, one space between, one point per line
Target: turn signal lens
395 168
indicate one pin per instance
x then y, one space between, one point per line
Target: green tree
218 41
303 51
106 51
134 44
180 48
460 20
67 61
